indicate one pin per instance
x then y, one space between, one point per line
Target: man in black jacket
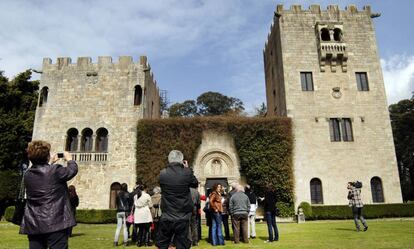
176 204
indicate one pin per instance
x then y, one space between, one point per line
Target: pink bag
130 219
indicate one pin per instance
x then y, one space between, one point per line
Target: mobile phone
60 155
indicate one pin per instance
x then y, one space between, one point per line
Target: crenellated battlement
103 61
316 9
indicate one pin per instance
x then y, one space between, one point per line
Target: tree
214 103
402 122
261 111
186 109
18 99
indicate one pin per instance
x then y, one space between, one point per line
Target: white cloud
398 77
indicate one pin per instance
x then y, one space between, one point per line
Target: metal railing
90 156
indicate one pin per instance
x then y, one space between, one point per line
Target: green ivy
264 146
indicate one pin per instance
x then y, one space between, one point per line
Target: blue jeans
216 231
271 226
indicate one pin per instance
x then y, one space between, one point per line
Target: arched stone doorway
216 160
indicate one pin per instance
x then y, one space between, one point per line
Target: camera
60 155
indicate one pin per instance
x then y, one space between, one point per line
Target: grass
319 234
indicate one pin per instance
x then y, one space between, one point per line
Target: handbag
20 205
130 218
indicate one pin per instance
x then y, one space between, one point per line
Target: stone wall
294 46
94 95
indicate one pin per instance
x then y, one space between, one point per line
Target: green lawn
319 234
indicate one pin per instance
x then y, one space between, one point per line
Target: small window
138 95
334 129
72 140
115 188
306 81
376 190
347 130
316 191
43 96
338 34
325 34
101 140
362 81
86 140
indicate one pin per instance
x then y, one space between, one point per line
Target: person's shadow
344 229
77 234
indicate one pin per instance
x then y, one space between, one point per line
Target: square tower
322 70
92 110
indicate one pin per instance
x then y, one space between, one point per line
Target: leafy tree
186 109
18 99
214 103
402 121
261 111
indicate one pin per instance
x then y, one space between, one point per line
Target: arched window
101 140
86 140
376 190
115 188
316 191
72 140
138 95
43 96
337 34
325 34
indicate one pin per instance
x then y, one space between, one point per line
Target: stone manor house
322 70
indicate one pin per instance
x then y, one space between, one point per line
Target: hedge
89 216
371 211
264 146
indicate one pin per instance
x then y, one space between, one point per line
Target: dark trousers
225 218
199 226
143 233
177 229
239 222
55 240
357 212
271 226
194 229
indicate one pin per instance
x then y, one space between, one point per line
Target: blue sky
193 46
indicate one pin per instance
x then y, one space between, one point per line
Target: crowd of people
168 215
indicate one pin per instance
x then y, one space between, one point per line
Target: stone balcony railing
90 156
334 53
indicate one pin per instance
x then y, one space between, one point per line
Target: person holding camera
48 213
355 202
176 204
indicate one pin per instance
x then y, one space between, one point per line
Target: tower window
338 126
362 81
86 140
101 140
338 34
43 96
306 81
325 34
72 140
316 191
376 190
138 95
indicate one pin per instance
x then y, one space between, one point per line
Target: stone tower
322 70
92 110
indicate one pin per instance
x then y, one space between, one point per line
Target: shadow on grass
345 229
77 235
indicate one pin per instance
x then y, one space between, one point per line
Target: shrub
307 209
90 216
285 209
8 214
369 211
96 216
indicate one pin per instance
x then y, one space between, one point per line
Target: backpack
358 184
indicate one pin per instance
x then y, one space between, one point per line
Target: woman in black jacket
123 207
270 210
48 213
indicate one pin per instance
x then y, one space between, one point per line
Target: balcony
90 156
